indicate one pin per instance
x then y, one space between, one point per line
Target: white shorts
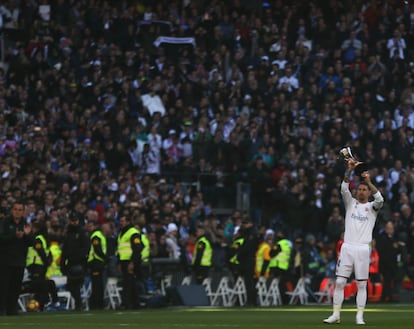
354 258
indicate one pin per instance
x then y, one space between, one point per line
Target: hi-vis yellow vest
124 244
281 260
236 243
54 267
145 253
206 260
33 257
92 255
260 259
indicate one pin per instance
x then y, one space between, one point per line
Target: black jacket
75 248
13 251
247 252
387 250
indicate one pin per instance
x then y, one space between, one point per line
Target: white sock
338 296
361 298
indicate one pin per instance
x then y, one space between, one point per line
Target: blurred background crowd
207 113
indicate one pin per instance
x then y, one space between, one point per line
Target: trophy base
360 168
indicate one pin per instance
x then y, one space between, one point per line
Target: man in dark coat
247 257
74 258
387 247
15 238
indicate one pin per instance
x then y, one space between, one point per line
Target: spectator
374 274
335 225
173 147
288 82
150 160
396 45
314 265
350 47
171 241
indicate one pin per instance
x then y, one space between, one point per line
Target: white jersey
360 217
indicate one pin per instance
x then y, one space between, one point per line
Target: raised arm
378 198
346 193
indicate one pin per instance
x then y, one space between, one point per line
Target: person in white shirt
288 82
280 60
155 139
396 45
172 146
151 160
171 240
361 214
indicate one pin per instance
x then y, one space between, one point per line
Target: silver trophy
346 153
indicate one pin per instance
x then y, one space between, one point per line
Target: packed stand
149 113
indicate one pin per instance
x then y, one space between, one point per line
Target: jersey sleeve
378 201
346 194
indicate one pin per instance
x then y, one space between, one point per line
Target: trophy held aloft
346 153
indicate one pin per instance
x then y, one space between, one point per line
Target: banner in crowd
153 103
174 40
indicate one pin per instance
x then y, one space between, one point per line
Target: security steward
233 252
15 238
279 264
129 255
96 264
37 261
202 256
144 275
55 253
263 256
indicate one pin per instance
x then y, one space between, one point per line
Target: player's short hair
366 184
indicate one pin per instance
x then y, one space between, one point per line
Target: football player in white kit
360 218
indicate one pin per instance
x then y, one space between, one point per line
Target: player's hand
366 176
351 164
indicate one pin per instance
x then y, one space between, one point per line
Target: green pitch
377 316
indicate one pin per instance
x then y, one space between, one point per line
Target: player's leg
361 275
343 271
338 296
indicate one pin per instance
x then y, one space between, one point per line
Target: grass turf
377 316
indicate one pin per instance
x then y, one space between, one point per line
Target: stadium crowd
155 110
